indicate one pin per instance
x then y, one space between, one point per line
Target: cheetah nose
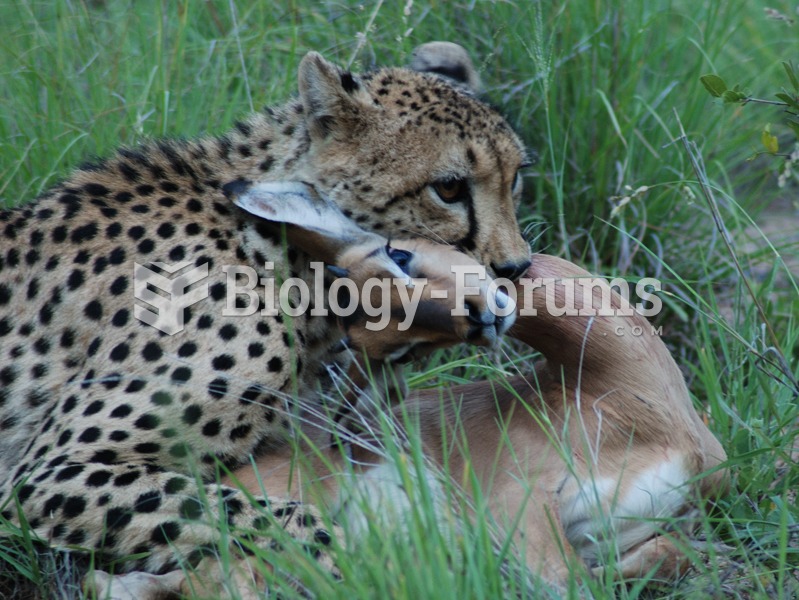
234 188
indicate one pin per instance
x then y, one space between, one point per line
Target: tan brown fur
617 405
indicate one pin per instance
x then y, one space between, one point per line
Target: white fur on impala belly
379 498
607 514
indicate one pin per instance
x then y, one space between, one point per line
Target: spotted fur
104 421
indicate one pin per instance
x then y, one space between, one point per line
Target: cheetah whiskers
429 235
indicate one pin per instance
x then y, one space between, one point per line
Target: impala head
412 295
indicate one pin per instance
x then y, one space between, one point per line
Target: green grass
594 88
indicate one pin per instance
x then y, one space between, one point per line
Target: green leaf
794 125
789 100
731 97
791 75
769 141
713 84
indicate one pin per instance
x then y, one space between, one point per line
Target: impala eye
401 258
452 190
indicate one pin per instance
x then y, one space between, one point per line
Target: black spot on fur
117 518
255 350
177 253
187 349
5 326
93 310
128 172
119 286
98 478
75 279
166 230
181 374
223 362
77 537
53 503
92 434
121 411
147 422
147 502
191 509
118 435
125 479
120 352
73 507
69 472
146 246
212 428
240 432
227 332
218 388
59 234
84 233
120 317
152 352
192 414
218 291
175 485
94 408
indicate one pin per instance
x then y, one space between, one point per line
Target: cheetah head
415 154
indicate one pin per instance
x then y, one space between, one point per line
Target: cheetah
107 422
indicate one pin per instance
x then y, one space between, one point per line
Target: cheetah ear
449 61
313 224
332 99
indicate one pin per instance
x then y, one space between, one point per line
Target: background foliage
596 88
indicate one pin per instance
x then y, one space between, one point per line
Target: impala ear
314 225
449 61
333 100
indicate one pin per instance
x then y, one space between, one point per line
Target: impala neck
603 351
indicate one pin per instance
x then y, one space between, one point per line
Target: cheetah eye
401 258
517 181
451 191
